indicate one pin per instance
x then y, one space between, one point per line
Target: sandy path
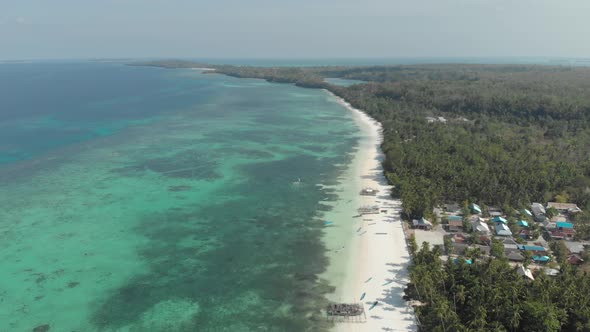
379 257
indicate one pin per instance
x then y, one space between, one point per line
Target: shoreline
376 260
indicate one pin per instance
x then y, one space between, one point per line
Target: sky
70 29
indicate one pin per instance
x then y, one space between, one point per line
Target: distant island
469 148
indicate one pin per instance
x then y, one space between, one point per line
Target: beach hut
475 209
523 223
503 230
500 220
422 224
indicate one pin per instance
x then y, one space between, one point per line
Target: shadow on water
246 264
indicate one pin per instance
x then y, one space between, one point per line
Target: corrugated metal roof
500 219
532 248
502 229
562 224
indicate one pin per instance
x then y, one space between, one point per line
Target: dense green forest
511 135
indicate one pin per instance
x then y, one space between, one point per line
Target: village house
499 220
575 247
458 238
564 208
508 240
526 212
538 212
562 234
503 230
559 218
480 227
562 224
452 208
475 209
523 271
534 249
510 248
422 224
562 231
515 256
455 226
455 223
575 259
494 212
461 248
525 234
541 259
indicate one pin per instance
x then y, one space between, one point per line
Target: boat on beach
368 209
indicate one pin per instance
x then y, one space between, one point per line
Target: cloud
20 20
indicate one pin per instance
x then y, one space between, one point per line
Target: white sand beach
376 256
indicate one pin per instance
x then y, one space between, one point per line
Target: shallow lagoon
165 203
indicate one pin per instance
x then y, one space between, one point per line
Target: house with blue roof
500 219
523 223
537 250
541 259
564 225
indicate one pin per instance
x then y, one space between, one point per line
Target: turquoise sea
146 199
